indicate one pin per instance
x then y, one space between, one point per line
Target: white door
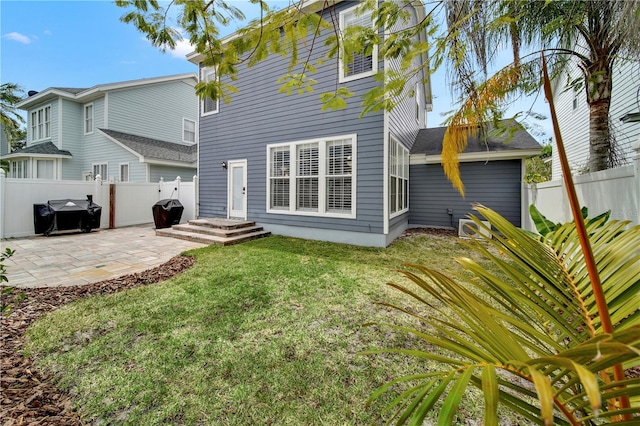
237 190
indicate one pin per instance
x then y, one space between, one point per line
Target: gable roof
44 149
86 94
153 150
509 140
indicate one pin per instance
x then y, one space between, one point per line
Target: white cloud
20 38
47 32
183 47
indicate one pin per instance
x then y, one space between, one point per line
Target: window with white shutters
359 64
313 177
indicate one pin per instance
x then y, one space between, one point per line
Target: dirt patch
441 232
27 395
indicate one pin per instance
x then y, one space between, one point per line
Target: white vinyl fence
615 189
123 203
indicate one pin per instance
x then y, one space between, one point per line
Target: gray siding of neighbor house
258 116
154 111
170 173
496 184
71 130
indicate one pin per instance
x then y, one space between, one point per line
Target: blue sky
84 43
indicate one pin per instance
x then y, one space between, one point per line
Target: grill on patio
66 215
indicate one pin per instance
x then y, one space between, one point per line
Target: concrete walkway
79 258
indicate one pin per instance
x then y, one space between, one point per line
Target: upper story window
188 130
41 123
398 178
208 105
313 177
88 119
360 64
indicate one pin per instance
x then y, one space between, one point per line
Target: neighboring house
492 170
132 131
573 118
282 162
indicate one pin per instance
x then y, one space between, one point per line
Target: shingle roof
45 148
153 148
511 136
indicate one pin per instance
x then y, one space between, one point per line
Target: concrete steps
221 232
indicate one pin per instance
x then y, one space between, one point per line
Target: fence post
177 187
3 204
112 205
195 197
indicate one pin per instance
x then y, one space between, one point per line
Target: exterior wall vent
467 227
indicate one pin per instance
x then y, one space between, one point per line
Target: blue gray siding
169 173
71 127
496 184
403 124
258 116
153 111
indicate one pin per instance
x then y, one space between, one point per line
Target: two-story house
573 118
132 131
282 162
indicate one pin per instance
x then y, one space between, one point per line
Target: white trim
39 97
103 177
322 175
30 129
120 172
230 165
167 163
35 155
195 130
374 54
385 173
84 118
396 141
204 74
148 171
475 156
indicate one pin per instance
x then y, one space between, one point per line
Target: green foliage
544 226
529 337
538 168
10 94
3 268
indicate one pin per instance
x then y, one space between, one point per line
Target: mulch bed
27 396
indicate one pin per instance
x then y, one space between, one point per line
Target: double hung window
356 65
88 119
188 130
398 178
101 169
41 123
208 105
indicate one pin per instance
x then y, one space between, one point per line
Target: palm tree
9 118
593 35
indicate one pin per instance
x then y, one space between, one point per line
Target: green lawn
266 332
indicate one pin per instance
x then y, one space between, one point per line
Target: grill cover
167 213
66 215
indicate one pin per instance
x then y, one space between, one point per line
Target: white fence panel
21 194
616 189
133 201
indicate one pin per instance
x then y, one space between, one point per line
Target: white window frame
18 169
88 120
322 176
342 77
207 74
184 130
121 167
96 168
41 123
53 168
417 97
398 177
